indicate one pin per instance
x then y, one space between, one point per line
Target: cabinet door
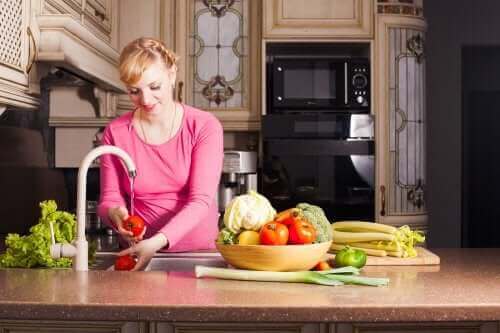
318 18
239 327
467 327
219 51
400 113
17 326
17 52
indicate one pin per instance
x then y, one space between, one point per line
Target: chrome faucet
79 251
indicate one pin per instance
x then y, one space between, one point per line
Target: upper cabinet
318 18
17 54
399 86
219 47
99 16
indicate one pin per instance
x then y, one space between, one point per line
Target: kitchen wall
25 175
451 25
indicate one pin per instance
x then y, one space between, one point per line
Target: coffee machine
239 175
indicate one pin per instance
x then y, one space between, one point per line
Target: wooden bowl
279 258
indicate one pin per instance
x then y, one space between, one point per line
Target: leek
333 277
361 280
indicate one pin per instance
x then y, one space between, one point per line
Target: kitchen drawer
461 327
239 327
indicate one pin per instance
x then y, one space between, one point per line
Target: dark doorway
481 146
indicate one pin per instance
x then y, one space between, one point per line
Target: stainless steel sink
183 264
165 261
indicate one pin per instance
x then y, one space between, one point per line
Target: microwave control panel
360 83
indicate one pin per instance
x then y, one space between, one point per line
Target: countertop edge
182 313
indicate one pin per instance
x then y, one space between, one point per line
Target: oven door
309 83
337 175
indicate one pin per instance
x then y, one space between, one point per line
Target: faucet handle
58 250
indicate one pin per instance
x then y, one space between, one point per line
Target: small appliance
319 82
239 175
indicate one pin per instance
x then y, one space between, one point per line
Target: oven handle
345 83
318 147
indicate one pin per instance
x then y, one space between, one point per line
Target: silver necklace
171 125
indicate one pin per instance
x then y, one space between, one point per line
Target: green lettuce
33 250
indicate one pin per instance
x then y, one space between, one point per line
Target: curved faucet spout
80 259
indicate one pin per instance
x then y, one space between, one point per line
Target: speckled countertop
465 287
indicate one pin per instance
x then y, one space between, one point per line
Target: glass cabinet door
400 113
220 59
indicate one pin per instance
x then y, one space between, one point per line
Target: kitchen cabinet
465 327
99 16
219 70
318 18
399 89
17 54
46 326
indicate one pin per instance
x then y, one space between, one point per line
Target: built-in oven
326 159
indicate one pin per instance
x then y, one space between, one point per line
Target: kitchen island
462 294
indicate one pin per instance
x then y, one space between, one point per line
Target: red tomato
273 233
135 224
287 217
301 232
124 263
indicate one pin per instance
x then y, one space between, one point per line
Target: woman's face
153 93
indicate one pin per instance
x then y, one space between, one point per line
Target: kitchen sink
165 262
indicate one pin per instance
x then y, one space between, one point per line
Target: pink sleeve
206 167
110 176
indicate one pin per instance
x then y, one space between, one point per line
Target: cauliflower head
248 211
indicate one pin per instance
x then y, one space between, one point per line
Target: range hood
65 43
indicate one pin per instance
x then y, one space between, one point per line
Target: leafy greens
33 250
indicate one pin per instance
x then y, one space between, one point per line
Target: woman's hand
118 215
146 249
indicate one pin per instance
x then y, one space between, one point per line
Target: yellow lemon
248 237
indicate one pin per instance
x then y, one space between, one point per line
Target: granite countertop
465 287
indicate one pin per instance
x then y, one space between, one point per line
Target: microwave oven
320 83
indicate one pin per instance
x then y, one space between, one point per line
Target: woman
178 151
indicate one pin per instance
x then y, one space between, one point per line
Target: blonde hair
139 54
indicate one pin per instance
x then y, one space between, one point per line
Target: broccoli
316 216
226 236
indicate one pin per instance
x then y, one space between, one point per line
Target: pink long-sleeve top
176 182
